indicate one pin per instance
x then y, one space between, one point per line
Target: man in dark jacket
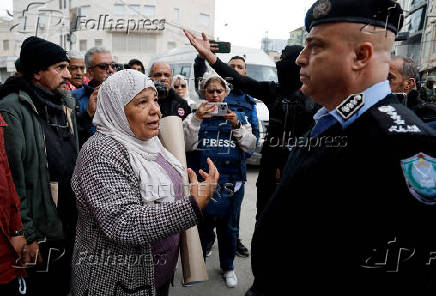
354 198
42 147
404 79
171 104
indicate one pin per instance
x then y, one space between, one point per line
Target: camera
162 91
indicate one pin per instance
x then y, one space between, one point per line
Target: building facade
297 36
128 28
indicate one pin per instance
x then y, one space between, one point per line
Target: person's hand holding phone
232 118
204 111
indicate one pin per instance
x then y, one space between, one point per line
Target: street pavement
216 285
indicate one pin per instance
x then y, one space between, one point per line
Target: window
149 10
82 45
204 19
60 4
119 9
84 10
133 42
134 9
5 45
42 20
434 43
171 45
427 45
176 15
98 42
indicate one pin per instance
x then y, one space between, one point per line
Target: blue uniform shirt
324 119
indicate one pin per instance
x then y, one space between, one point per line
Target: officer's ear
363 54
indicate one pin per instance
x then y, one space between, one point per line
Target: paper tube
191 254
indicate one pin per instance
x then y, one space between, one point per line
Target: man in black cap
356 213
42 146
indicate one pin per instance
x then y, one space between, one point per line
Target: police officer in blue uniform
357 198
226 140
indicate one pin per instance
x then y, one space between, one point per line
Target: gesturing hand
203 46
202 192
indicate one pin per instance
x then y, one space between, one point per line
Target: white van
259 67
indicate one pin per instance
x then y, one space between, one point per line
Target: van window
262 73
181 69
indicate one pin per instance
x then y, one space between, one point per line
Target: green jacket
25 147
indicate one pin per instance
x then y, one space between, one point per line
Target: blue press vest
215 141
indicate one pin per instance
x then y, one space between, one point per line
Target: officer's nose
302 59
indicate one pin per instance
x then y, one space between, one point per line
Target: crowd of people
83 210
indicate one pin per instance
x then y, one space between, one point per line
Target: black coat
174 105
340 205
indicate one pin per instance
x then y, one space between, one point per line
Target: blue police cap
380 13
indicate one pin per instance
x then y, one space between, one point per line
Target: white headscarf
207 77
182 79
114 94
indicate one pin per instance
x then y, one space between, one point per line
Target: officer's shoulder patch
396 119
420 174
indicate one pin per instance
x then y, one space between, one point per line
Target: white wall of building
51 21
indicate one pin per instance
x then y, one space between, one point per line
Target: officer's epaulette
394 118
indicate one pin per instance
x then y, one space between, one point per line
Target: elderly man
171 104
77 70
42 147
404 79
357 193
99 66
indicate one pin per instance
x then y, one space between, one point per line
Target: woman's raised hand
202 192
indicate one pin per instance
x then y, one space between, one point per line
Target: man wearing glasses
99 66
42 146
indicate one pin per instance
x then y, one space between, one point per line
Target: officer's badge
420 174
350 106
321 9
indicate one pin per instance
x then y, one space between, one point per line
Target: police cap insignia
420 174
379 13
322 8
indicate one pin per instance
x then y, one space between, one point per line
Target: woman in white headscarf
180 85
130 196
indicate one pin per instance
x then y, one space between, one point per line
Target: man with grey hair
99 66
77 70
404 79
